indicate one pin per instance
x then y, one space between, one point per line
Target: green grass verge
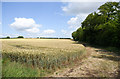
15 69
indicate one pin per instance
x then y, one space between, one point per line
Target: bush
20 37
8 37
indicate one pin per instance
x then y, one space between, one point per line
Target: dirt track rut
100 63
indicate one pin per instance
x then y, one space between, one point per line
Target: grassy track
39 55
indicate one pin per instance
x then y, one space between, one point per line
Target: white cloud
33 30
75 22
26 25
74 8
66 33
79 10
48 31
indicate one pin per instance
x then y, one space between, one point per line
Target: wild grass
15 69
44 54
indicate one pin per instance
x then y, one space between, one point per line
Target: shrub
7 37
20 37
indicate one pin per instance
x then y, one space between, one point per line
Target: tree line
8 37
101 27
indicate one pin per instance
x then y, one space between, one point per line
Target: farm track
100 63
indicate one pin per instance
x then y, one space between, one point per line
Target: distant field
44 54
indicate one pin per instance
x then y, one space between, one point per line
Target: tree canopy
20 37
101 27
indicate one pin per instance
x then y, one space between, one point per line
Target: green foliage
15 69
102 27
74 36
20 37
79 33
8 37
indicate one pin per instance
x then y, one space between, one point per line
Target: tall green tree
102 27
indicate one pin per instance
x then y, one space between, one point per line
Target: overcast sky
48 19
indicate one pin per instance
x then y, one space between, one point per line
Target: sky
44 19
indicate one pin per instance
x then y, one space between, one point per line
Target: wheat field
42 53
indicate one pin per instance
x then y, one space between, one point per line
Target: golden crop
42 53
